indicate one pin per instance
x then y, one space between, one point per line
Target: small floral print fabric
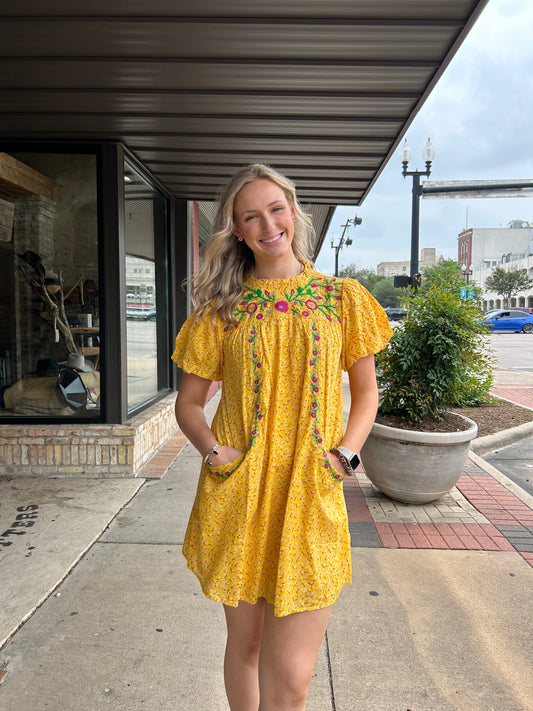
273 523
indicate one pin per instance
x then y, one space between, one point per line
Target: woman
268 534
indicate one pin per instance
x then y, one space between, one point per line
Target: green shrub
437 357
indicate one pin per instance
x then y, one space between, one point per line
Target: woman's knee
245 630
286 684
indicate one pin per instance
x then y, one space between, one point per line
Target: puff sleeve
199 346
365 326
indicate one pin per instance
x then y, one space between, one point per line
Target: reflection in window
145 211
49 305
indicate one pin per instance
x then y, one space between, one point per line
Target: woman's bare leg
288 654
241 661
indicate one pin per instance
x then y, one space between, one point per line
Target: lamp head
428 154
405 157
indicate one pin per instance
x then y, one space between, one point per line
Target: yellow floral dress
273 523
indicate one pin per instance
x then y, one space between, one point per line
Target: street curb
490 443
504 480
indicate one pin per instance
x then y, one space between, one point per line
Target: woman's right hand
224 456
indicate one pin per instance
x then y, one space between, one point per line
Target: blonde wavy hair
218 286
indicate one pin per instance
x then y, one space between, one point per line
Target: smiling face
264 218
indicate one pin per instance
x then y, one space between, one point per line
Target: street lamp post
405 156
467 272
337 247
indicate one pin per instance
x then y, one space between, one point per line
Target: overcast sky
480 120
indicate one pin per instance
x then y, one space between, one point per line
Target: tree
381 287
386 293
447 275
508 284
366 277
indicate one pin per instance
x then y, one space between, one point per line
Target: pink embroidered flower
311 304
315 380
259 316
305 313
282 306
329 287
251 308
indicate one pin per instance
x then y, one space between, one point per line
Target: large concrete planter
415 467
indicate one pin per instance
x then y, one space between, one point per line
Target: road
513 351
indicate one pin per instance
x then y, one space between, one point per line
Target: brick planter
91 450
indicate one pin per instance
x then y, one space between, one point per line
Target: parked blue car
512 320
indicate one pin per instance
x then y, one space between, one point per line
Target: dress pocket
334 474
328 469
224 471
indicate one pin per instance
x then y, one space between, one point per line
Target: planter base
415 467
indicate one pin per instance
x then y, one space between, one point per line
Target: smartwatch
349 460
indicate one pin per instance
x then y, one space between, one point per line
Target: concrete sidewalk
436 618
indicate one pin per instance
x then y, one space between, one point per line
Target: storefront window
145 235
49 296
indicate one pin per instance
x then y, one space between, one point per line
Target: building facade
481 250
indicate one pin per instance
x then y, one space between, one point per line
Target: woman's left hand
336 463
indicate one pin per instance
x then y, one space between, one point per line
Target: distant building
510 247
486 247
428 258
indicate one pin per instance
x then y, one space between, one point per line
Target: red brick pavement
494 501
161 461
487 495
447 536
519 394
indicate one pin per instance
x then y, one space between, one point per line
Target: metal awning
320 89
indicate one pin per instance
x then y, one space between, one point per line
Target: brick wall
88 450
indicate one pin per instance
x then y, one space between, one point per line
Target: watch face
354 461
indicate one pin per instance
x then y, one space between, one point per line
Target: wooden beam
17 178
